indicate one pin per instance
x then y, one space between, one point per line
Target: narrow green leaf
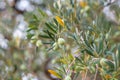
76 75
35 17
88 51
118 56
72 3
55 27
42 12
51 35
29 35
44 36
33 21
32 28
79 59
55 21
50 27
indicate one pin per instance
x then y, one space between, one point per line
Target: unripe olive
33 39
103 62
57 5
106 63
87 8
55 46
61 41
39 43
22 67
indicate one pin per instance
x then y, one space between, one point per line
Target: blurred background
20 59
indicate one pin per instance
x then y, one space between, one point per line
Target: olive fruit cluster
36 41
60 42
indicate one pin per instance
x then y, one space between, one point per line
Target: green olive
61 41
39 43
103 62
55 46
33 39
106 63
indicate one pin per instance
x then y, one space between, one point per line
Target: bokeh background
18 59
